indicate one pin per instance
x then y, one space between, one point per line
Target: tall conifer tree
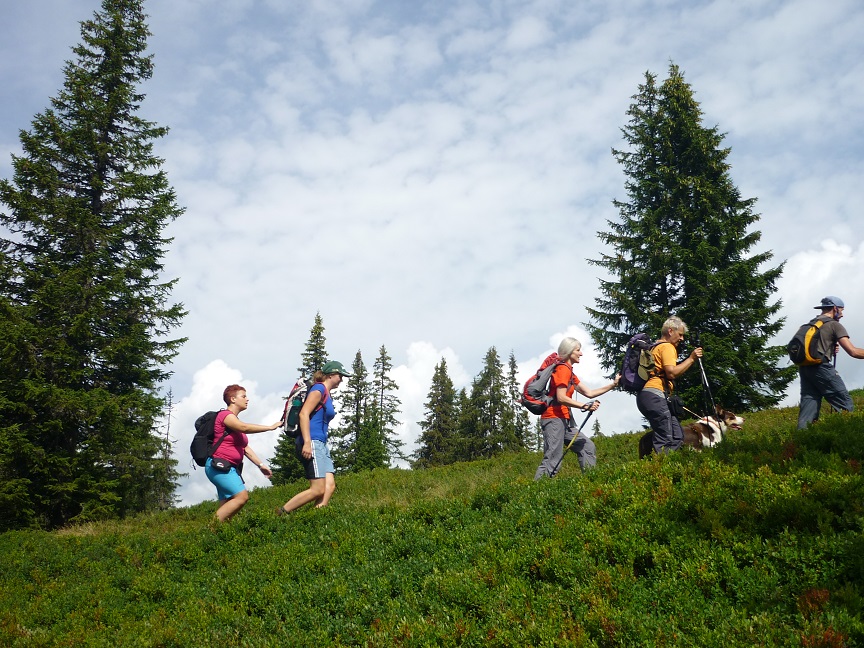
464 444
370 446
439 428
88 310
682 247
521 418
385 405
353 405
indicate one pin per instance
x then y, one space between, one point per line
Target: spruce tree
353 404
315 355
682 247
371 444
489 424
464 444
285 465
521 417
537 435
385 405
85 304
439 428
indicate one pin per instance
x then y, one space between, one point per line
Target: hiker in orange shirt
557 422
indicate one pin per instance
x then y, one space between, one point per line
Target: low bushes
757 542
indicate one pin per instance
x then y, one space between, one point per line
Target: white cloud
526 33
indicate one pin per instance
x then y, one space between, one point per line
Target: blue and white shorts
320 464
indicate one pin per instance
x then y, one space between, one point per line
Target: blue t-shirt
319 422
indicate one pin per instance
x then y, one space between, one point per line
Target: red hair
230 392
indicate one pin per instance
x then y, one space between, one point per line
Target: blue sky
418 172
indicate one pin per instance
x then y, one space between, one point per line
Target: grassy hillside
756 543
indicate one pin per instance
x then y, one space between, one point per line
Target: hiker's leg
586 451
653 406
230 506
315 490
811 396
323 467
230 490
833 388
553 446
329 489
677 435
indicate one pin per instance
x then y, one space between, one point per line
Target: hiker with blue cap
821 380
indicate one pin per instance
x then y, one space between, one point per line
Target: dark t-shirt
830 333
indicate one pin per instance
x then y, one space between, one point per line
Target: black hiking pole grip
575 436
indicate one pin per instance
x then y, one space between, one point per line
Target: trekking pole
575 436
706 388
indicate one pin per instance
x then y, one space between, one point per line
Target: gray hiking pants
818 382
668 435
556 434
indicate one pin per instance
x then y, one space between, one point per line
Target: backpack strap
216 445
661 372
323 399
553 396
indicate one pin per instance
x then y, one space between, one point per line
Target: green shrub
759 541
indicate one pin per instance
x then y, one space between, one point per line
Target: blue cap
831 302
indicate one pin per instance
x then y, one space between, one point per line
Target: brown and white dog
707 432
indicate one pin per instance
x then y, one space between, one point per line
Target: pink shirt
234 446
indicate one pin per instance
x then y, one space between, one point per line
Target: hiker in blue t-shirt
311 444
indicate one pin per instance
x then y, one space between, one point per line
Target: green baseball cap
334 367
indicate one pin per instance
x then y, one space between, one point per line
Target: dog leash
698 416
710 421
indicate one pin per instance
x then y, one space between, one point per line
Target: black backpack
803 347
638 364
202 447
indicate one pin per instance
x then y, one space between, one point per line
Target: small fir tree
315 355
489 420
436 445
464 446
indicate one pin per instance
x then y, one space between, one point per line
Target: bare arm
563 399
263 467
234 423
594 393
850 348
674 371
313 398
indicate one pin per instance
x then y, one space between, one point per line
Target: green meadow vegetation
757 542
